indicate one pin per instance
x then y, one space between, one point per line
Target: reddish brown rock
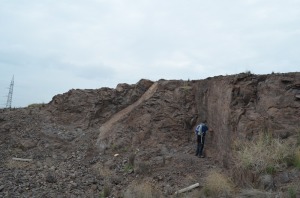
89 135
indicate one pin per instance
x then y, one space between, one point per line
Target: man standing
200 131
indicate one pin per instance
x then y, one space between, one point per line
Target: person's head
204 122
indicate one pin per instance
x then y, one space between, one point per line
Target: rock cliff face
239 106
72 140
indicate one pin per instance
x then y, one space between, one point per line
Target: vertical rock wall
244 105
213 98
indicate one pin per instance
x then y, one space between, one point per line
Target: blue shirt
204 128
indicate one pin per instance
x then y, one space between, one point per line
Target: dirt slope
106 127
139 138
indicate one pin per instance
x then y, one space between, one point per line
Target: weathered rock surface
87 142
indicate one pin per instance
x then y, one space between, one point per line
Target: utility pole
10 93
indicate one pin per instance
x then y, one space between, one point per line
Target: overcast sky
52 46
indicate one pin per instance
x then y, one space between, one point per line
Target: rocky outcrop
239 106
86 141
107 127
93 107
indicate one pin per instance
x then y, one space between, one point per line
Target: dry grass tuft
102 170
297 158
12 164
217 184
142 168
264 152
36 105
105 191
257 193
141 190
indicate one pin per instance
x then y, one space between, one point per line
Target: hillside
138 140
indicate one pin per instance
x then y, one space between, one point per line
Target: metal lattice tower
10 93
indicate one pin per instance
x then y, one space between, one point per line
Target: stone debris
82 143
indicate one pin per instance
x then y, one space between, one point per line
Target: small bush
141 190
102 170
271 170
105 192
128 168
298 138
263 153
131 159
142 168
256 193
217 184
297 158
292 192
12 164
36 105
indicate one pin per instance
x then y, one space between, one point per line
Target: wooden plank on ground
187 188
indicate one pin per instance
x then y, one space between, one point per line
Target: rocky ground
139 138
65 162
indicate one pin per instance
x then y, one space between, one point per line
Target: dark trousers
200 145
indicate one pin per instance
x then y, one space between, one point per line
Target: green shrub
105 192
128 168
271 170
292 192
